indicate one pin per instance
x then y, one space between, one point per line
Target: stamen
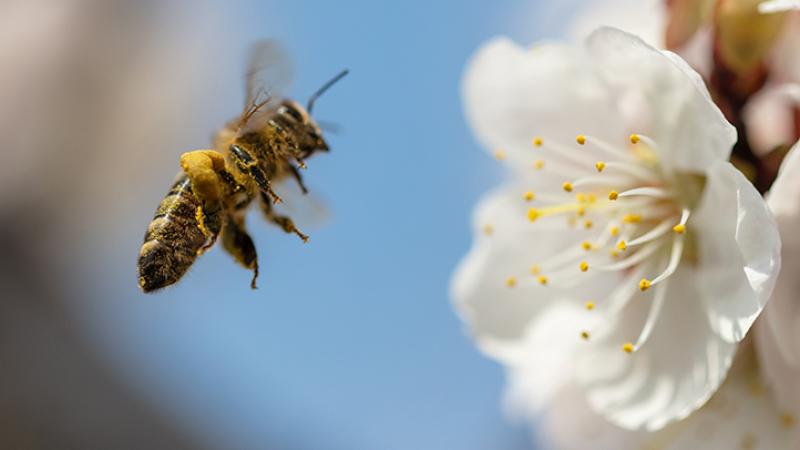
608 148
511 282
589 306
499 155
537 141
627 347
622 246
634 138
580 139
586 245
613 195
652 316
634 170
529 196
542 280
536 269
655 233
585 335
538 164
635 258
646 192
584 266
680 228
674 260
567 186
599 165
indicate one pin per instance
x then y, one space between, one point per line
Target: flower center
630 216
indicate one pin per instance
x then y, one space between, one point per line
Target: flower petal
512 94
673 104
738 249
500 316
674 373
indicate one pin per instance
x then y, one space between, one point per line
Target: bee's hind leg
203 168
284 222
239 244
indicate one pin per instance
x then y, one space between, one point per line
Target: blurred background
350 342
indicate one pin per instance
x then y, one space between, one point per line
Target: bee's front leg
285 222
247 164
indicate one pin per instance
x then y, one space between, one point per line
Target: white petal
671 375
644 18
741 415
689 128
738 251
774 6
769 117
782 315
512 94
500 316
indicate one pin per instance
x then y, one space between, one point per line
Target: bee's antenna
324 88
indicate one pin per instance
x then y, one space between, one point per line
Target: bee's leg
203 168
288 141
239 244
210 218
299 178
248 164
282 221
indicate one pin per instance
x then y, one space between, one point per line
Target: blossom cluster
635 274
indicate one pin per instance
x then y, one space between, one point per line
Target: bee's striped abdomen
176 236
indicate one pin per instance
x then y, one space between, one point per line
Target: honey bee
267 143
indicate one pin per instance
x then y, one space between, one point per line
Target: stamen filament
608 148
652 192
674 260
634 258
655 233
652 316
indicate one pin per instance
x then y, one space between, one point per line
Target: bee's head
311 136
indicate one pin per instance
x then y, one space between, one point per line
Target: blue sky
351 341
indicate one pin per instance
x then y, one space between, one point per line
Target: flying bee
267 143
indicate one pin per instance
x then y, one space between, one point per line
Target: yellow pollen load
627 347
542 280
511 281
580 139
614 231
538 164
644 284
537 141
599 165
567 186
632 218
589 306
587 224
622 245
613 195
585 335
584 266
499 155
586 245
635 138
679 228
533 214
535 269
528 196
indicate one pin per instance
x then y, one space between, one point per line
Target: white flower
660 256
774 6
742 414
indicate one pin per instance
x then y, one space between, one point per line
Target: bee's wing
308 211
269 74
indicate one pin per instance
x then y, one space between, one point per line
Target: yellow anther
585 335
580 197
537 141
644 284
589 306
567 186
584 266
580 139
529 196
635 138
627 347
599 165
542 280
500 155
587 224
535 269
572 221
614 231
679 228
538 164
613 253
533 214
488 230
591 198
581 211
613 195
586 245
632 218
511 281
622 246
